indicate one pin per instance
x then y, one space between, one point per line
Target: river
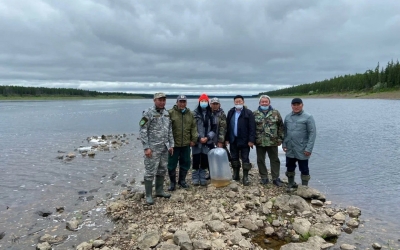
354 162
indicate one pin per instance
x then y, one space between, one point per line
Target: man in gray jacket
300 133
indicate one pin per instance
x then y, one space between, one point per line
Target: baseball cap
181 98
159 95
214 100
297 100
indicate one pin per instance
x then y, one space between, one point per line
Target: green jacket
184 126
269 127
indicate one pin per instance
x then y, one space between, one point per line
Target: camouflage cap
159 95
214 100
181 98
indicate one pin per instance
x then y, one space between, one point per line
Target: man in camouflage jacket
269 135
157 139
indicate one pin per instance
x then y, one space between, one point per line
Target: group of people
170 137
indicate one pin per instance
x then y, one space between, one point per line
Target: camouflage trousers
156 165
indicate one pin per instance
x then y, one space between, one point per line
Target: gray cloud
218 47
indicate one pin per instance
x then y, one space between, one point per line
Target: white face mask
239 106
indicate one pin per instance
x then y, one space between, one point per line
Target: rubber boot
304 180
246 169
148 186
236 170
202 175
196 177
182 178
160 187
172 179
291 183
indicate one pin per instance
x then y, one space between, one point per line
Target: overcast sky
182 46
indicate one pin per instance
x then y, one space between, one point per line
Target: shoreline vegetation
387 95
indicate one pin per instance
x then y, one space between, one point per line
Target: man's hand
220 144
284 149
192 144
203 140
148 153
307 153
250 144
171 151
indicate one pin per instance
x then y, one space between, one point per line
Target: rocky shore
231 217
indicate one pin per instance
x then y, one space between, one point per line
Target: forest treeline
20 91
379 79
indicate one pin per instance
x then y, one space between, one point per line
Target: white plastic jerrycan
220 171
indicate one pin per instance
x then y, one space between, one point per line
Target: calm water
355 160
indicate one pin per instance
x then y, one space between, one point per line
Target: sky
218 47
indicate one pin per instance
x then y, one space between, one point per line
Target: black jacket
246 127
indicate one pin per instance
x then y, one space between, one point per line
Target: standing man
240 135
220 120
269 135
158 141
300 133
185 134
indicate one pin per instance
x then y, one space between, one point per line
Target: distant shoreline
63 98
390 95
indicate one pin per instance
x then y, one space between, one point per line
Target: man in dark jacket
241 136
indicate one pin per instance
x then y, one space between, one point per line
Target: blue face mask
203 105
183 110
264 107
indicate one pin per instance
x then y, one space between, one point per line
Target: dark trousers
274 161
303 165
242 152
181 154
200 161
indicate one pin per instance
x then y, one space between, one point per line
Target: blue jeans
303 165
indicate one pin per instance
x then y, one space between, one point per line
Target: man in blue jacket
300 133
240 136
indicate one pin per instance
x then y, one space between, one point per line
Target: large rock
313 243
340 216
166 246
84 246
43 246
236 237
248 224
322 218
98 243
301 226
353 211
202 244
290 203
181 238
148 240
192 228
310 193
73 224
347 247
324 230
216 226
218 244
